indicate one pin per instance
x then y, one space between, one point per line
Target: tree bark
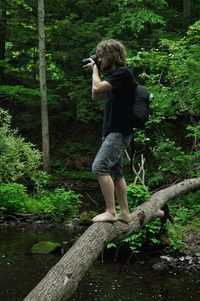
187 12
62 280
43 88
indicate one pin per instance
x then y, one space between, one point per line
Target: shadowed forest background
162 40
163 49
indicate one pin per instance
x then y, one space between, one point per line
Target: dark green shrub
171 162
19 160
137 194
13 198
58 203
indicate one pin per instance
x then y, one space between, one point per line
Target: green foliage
184 221
30 98
19 160
171 73
149 235
186 212
111 245
56 204
194 131
137 194
137 15
86 109
19 94
12 198
171 161
162 55
135 241
175 234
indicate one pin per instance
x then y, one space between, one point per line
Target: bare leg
107 188
121 193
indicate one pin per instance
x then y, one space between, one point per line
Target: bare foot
124 217
105 217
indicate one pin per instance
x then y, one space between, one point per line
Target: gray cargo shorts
109 159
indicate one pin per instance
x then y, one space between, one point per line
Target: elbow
95 90
94 95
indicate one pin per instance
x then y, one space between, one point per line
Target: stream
106 280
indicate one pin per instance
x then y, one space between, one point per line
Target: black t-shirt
119 101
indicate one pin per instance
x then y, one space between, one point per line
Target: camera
93 57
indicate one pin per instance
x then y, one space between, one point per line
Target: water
137 282
20 272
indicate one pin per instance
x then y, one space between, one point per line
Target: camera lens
86 61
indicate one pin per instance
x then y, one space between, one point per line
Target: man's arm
99 88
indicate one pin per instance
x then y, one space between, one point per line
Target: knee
120 184
96 169
99 168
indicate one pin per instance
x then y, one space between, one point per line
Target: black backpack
140 113
141 107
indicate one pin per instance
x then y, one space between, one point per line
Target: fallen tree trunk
62 280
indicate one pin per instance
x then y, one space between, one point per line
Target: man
118 89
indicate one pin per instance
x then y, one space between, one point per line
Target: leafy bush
186 212
25 96
171 162
19 160
170 71
13 198
149 235
137 194
56 204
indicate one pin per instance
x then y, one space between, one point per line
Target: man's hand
90 65
99 88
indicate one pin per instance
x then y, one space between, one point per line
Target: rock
192 239
45 247
86 217
160 266
69 227
188 257
170 261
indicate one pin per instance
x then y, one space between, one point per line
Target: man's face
105 64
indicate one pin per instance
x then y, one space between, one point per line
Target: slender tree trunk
43 88
3 20
62 280
187 4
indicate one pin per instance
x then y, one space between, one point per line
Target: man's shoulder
124 70
121 71
120 78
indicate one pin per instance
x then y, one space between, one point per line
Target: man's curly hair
113 49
